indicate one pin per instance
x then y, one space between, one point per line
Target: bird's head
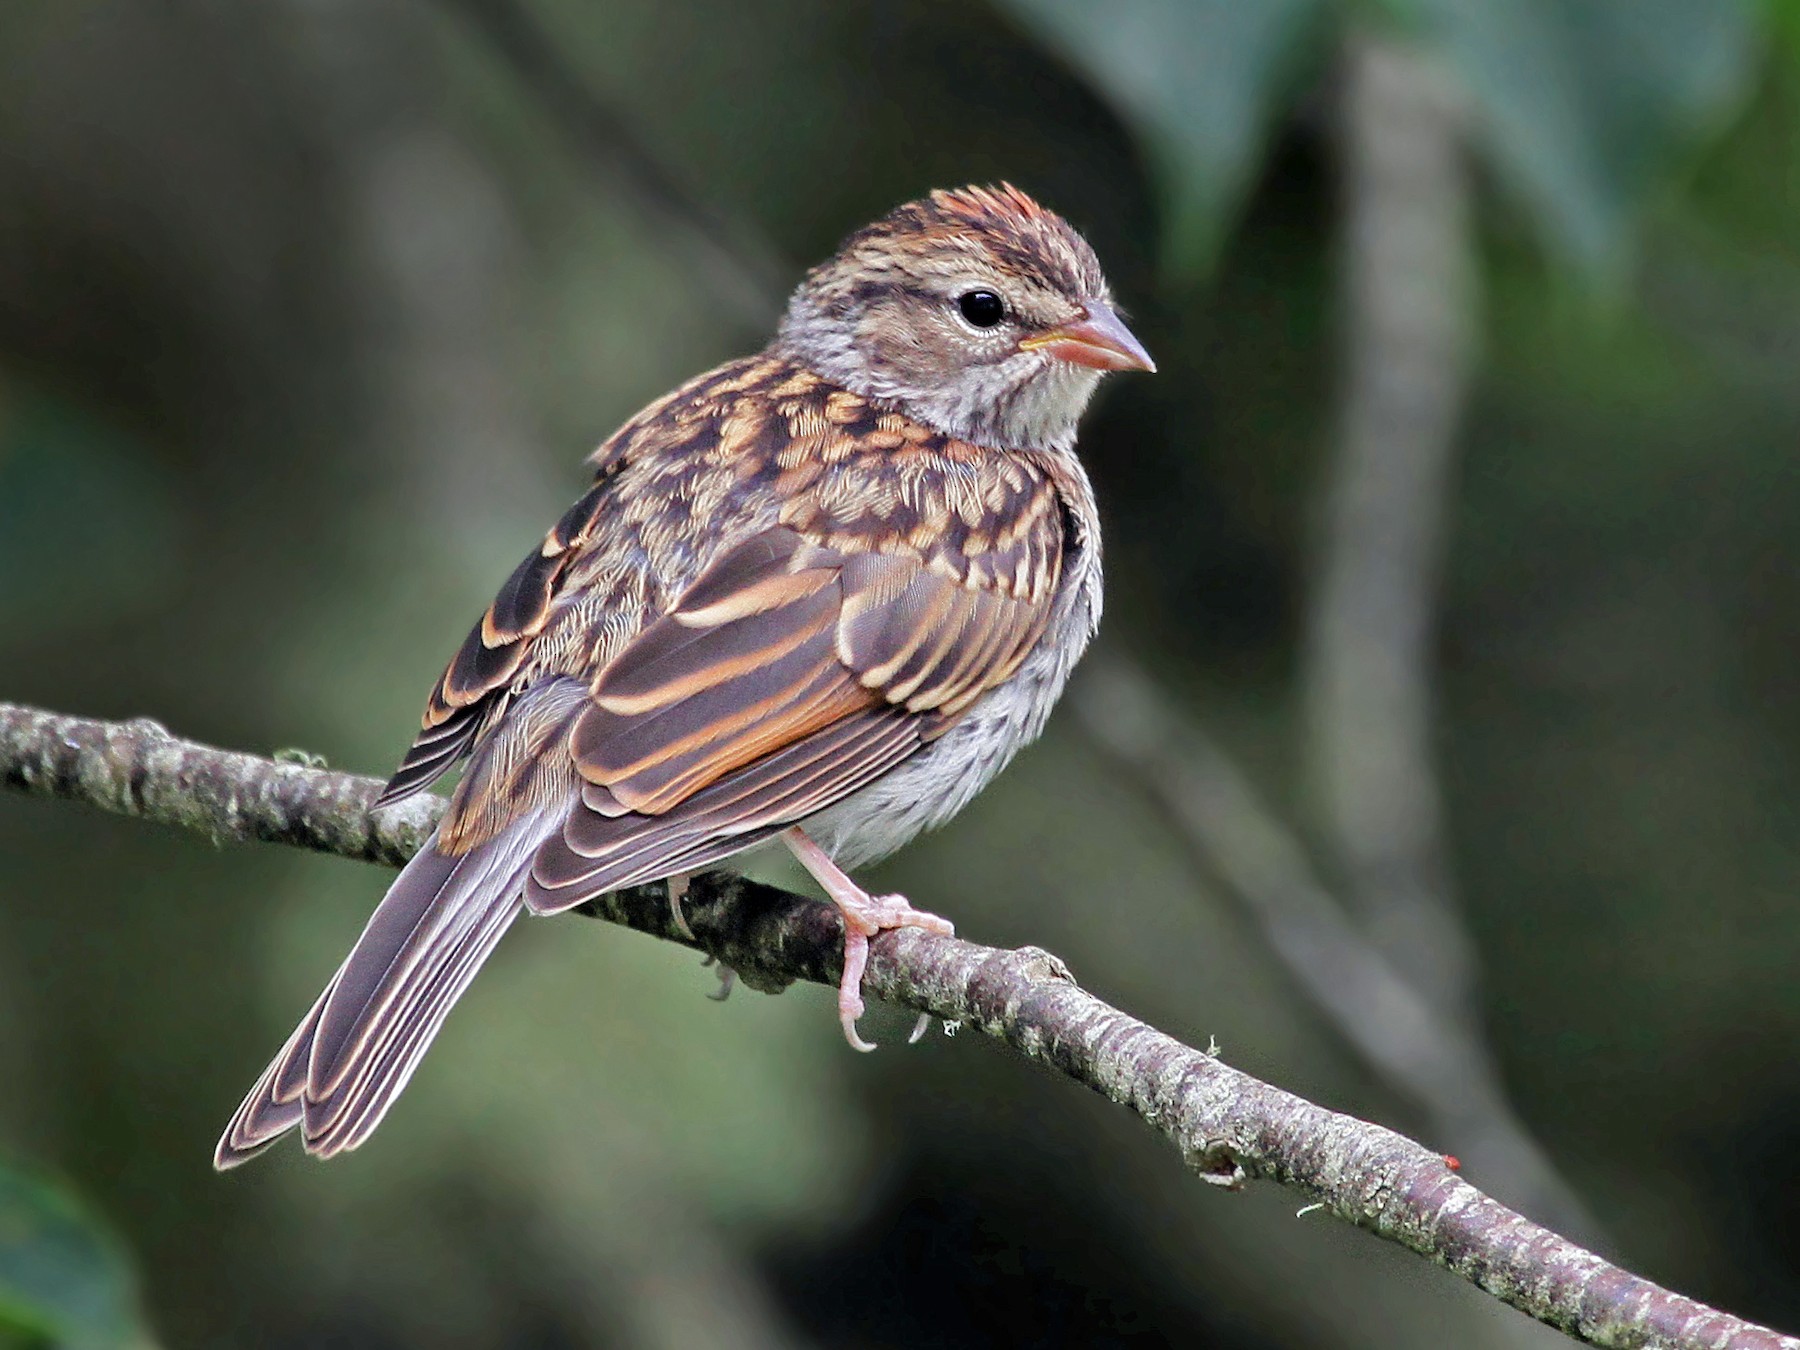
976 312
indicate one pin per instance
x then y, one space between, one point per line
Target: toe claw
864 916
727 977
920 1027
850 1034
678 886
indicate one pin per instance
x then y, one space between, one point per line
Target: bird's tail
352 1054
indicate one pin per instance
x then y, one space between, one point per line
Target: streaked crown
976 311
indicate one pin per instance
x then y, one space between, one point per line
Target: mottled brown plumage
835 585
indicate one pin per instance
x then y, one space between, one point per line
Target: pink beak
1099 340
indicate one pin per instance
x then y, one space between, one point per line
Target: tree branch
1228 1126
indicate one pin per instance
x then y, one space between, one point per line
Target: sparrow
822 594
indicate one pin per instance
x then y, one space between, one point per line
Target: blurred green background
1461 516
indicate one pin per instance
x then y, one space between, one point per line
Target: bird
820 595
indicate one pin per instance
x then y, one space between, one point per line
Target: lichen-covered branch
1229 1127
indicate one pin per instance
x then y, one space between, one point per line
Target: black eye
984 309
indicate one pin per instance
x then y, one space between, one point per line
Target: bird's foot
864 916
727 977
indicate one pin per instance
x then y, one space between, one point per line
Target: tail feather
273 1106
345 1116
419 912
351 1056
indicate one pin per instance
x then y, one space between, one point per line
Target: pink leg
864 916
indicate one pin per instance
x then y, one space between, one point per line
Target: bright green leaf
1198 79
64 1278
1580 103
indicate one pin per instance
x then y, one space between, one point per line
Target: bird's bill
1100 340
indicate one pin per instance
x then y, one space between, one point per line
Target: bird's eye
984 309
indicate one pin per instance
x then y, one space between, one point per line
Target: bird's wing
474 689
502 653
802 665
907 575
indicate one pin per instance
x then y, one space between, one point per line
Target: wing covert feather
788 676
473 690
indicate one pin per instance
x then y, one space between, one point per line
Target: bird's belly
933 785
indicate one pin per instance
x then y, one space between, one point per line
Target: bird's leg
864 916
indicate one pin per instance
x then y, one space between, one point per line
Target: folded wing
476 686
792 673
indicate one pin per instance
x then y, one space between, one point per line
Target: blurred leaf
1198 79
1785 18
63 1276
1580 103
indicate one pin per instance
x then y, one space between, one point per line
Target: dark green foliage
64 1279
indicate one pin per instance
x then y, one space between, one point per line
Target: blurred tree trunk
1368 661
